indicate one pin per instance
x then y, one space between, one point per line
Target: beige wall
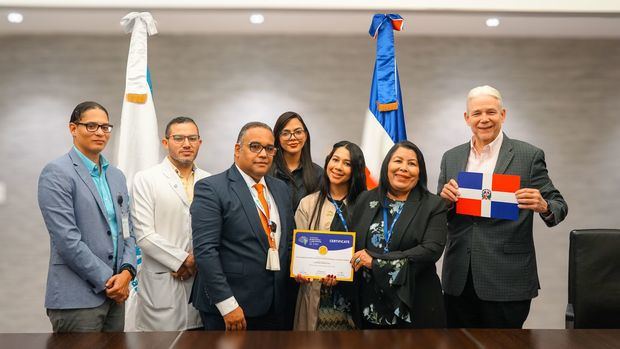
561 95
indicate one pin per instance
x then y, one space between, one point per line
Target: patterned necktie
264 219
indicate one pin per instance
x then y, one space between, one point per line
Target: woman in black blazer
396 283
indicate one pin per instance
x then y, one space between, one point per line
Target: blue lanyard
339 211
387 232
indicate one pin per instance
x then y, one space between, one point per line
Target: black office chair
594 279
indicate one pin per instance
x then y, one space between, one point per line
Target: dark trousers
469 311
108 317
268 322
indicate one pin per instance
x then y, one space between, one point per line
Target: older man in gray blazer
489 269
85 207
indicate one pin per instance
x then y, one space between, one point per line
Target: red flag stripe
371 183
505 183
469 207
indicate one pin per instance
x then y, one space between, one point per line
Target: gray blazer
81 247
501 252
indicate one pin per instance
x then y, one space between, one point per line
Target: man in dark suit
489 270
242 223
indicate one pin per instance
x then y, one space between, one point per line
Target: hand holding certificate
317 254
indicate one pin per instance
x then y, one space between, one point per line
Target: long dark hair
357 182
308 174
384 183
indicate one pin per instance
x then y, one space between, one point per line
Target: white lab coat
162 226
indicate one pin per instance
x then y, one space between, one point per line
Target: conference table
375 339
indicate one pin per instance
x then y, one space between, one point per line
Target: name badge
273 260
124 215
125 220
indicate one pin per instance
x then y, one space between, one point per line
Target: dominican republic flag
138 146
385 121
488 195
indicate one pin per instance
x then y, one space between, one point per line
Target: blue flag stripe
148 79
504 210
470 180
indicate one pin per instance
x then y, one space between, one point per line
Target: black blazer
230 245
420 236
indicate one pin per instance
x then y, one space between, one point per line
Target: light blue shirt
101 183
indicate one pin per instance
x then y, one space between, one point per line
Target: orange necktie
264 219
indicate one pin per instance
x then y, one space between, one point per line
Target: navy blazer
230 245
81 248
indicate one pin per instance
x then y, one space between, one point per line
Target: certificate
317 254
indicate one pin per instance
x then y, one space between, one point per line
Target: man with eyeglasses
242 223
85 207
161 197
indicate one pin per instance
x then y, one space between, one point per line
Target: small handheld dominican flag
488 195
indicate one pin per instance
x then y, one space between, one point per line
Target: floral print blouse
380 306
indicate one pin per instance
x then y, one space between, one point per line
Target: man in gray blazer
85 207
489 268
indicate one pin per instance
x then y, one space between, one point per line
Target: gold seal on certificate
317 254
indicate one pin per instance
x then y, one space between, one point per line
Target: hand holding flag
450 192
488 195
531 199
527 198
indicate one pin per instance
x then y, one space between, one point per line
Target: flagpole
138 146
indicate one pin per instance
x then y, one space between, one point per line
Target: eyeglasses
180 139
256 147
298 133
93 126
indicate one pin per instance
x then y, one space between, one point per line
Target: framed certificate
317 254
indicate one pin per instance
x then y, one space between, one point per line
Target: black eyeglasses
93 126
256 147
180 139
297 133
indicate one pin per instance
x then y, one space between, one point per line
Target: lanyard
387 232
260 206
270 223
339 211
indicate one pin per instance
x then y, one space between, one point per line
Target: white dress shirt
485 160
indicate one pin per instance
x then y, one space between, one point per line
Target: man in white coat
161 199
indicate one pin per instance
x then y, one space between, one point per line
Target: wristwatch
130 269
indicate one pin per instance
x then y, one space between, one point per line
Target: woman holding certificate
319 305
401 232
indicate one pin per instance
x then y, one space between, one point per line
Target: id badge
125 220
273 260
